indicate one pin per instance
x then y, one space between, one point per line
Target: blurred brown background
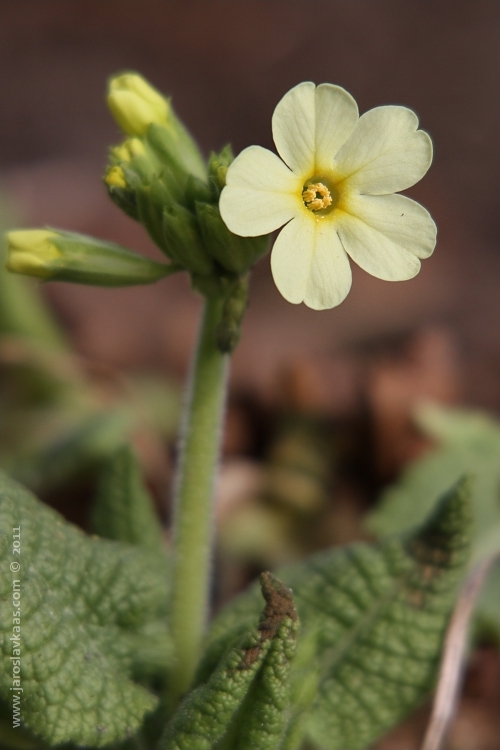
226 64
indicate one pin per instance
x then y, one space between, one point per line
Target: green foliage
466 442
373 619
91 617
124 509
76 452
245 698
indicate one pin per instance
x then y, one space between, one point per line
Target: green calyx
66 256
159 179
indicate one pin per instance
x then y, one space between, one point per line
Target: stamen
316 196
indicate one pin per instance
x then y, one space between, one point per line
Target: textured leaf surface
373 619
467 441
243 701
124 509
85 607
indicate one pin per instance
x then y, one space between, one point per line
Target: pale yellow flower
334 189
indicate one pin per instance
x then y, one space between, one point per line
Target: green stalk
193 513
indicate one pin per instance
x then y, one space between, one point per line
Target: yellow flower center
321 195
316 196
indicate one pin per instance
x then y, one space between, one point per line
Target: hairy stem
193 515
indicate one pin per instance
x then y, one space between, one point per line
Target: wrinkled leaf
124 509
467 441
373 619
243 701
86 605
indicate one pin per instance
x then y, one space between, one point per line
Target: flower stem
199 454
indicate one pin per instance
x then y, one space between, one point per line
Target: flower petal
291 258
399 218
294 123
386 153
374 251
336 118
330 276
310 265
261 193
311 123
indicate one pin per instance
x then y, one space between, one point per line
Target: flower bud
175 148
127 150
183 240
233 253
151 201
66 256
115 177
135 104
217 168
120 191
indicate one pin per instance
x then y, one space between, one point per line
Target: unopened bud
185 246
115 177
151 201
176 149
66 256
135 104
217 168
127 150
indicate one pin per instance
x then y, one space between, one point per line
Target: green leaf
78 451
467 441
124 509
243 700
85 607
373 619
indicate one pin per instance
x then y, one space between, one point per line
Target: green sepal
57 255
182 237
123 509
175 148
86 605
151 202
255 667
194 190
373 619
233 253
86 260
233 311
125 199
217 168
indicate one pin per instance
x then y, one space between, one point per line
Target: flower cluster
334 191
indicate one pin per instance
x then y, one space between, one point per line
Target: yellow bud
135 147
30 250
127 150
120 153
115 177
135 104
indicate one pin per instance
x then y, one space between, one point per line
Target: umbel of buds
66 256
158 177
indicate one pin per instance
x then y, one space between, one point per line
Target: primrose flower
334 190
